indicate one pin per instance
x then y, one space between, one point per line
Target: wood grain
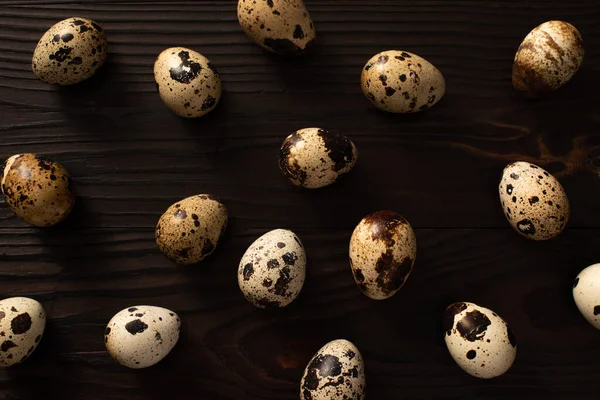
131 158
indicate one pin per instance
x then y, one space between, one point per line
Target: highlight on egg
383 249
22 324
272 271
70 52
281 26
533 201
190 229
479 341
37 189
337 371
314 157
141 336
402 82
548 58
586 293
187 82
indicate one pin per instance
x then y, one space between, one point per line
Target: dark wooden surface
131 158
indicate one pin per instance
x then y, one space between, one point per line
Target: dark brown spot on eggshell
136 326
450 313
473 325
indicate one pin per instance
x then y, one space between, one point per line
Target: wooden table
131 158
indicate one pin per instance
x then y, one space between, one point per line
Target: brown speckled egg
70 51
22 324
187 82
533 201
313 157
141 336
383 248
190 229
402 82
479 340
37 190
280 26
548 58
586 293
272 270
337 371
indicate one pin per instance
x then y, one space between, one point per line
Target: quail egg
22 324
272 271
337 371
479 340
280 26
187 82
586 292
314 158
190 229
70 51
402 82
533 201
383 248
37 190
547 58
141 336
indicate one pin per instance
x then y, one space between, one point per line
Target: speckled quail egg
70 51
280 26
37 189
141 336
272 270
533 201
479 340
187 82
383 248
586 292
547 58
22 324
337 371
190 229
313 157
402 82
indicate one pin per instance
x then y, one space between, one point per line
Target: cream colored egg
37 190
187 82
586 292
402 82
337 371
534 202
190 229
479 340
383 248
141 336
314 158
280 26
70 51
22 324
272 270
547 58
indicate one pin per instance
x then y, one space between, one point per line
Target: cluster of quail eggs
272 271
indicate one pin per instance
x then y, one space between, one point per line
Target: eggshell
187 82
586 292
22 323
280 26
272 271
533 201
383 248
402 82
37 190
190 229
479 340
71 51
547 58
141 336
313 157
337 371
